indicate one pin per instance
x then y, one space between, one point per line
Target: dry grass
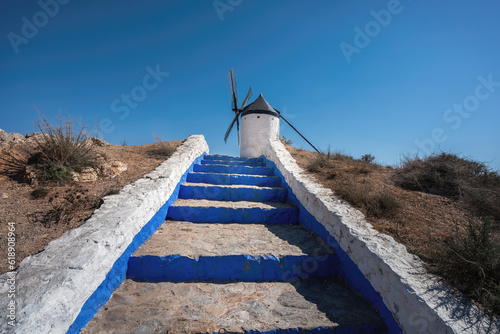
433 226
162 148
372 201
65 209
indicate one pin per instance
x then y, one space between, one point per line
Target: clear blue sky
361 77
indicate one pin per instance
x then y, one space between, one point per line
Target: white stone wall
52 286
256 131
417 300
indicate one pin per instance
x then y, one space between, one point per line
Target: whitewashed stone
419 302
53 285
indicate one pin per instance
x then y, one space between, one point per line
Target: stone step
200 239
254 163
230 268
244 212
232 159
231 169
315 306
228 179
184 251
208 191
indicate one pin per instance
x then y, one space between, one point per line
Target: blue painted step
231 193
233 169
233 163
176 268
205 211
226 158
225 179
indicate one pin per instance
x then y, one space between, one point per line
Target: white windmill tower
260 123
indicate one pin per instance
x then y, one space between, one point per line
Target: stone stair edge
236 186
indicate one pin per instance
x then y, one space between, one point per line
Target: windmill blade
287 122
231 127
233 90
249 95
238 129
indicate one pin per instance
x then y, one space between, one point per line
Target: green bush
54 172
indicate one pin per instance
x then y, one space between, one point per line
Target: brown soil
420 221
36 220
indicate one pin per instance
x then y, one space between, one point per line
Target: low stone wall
419 302
60 289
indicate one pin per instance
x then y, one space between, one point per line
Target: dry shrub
320 161
368 158
453 177
63 144
162 148
471 263
286 141
13 163
324 160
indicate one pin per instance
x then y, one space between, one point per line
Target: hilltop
42 210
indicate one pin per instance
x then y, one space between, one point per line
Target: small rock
14 137
4 195
88 174
104 168
2 134
111 169
35 137
99 142
118 166
28 176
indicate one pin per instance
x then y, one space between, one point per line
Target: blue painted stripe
118 272
243 268
347 329
347 270
235 163
226 179
233 169
226 158
220 193
224 215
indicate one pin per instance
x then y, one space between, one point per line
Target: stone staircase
232 258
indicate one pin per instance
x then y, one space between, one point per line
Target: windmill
234 105
259 122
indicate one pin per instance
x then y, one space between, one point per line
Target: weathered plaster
418 301
54 285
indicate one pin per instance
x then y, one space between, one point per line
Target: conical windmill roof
260 106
